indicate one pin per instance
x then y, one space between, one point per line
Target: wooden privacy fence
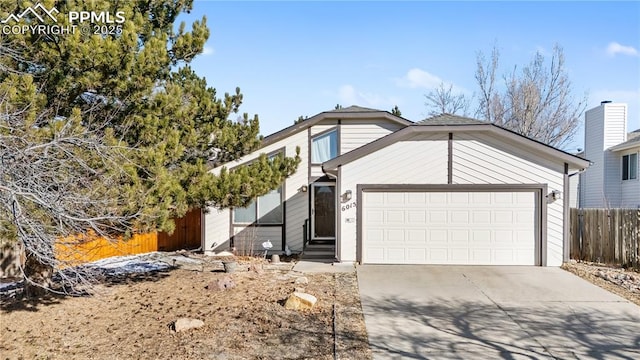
187 235
75 250
610 236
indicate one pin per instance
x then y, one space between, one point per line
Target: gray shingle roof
634 139
353 108
450 119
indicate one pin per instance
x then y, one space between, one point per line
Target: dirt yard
624 283
131 318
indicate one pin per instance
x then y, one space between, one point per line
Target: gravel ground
131 316
623 282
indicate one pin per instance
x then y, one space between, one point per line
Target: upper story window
324 147
630 166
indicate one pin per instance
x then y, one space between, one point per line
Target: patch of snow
120 265
7 286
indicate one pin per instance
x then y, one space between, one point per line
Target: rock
299 289
302 280
229 266
184 324
300 301
222 284
275 259
226 283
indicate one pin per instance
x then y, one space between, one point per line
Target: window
630 166
266 209
324 147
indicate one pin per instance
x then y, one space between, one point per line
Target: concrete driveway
484 312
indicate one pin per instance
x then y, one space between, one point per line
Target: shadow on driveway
455 317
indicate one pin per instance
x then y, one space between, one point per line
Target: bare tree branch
443 100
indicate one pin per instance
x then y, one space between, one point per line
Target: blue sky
302 58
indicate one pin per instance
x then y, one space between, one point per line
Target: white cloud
207 50
348 95
418 78
615 48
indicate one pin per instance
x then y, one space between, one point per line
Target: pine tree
153 128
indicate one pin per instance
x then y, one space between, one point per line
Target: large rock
300 301
184 324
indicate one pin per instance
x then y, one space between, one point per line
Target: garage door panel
416 216
395 236
417 236
417 255
459 216
480 228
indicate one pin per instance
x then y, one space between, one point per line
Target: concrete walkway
306 266
476 312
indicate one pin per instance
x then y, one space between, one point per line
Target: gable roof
634 140
449 119
351 112
453 123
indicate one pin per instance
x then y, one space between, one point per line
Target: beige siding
323 126
248 240
217 226
297 202
574 183
216 233
316 172
416 161
477 160
358 133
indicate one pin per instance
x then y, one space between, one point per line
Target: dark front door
323 211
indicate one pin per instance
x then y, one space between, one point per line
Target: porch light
346 196
303 188
554 196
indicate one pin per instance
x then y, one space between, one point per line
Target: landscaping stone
184 324
300 301
226 283
302 280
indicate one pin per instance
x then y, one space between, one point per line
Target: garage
484 226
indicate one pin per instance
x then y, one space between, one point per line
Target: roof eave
329 115
572 160
623 147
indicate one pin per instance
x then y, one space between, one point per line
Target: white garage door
470 228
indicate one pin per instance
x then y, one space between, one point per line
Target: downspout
330 174
578 172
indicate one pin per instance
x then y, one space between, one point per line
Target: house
381 189
612 180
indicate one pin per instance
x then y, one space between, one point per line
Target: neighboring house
381 189
612 180
574 186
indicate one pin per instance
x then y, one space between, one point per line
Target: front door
323 211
